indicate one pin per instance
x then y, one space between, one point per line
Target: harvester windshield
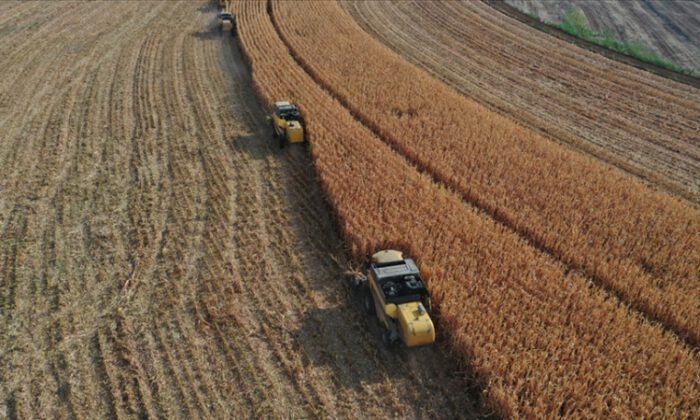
288 112
400 281
403 289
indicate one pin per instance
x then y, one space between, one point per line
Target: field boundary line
511 12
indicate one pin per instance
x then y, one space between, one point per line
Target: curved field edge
678 75
667 28
503 304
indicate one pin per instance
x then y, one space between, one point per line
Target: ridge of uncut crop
642 245
541 340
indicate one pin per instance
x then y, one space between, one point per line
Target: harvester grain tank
394 291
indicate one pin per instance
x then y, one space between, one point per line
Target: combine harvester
287 124
394 291
227 22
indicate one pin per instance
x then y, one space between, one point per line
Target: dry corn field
645 125
160 256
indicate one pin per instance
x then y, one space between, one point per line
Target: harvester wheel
369 302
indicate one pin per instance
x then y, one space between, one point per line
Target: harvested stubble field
159 256
643 124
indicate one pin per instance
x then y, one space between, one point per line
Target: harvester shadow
253 146
210 33
340 341
346 343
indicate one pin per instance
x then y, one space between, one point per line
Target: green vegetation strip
575 24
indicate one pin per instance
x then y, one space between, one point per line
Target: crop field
161 256
645 125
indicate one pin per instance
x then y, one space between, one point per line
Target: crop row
642 245
539 337
643 124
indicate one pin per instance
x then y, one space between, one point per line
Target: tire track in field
63 156
185 328
250 267
211 162
95 231
78 125
150 213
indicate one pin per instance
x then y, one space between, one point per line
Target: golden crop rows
645 125
642 245
539 336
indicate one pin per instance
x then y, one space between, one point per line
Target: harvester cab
227 22
394 291
287 123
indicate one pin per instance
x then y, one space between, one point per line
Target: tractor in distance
394 291
227 22
287 123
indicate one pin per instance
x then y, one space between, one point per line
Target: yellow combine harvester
394 292
287 123
227 22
